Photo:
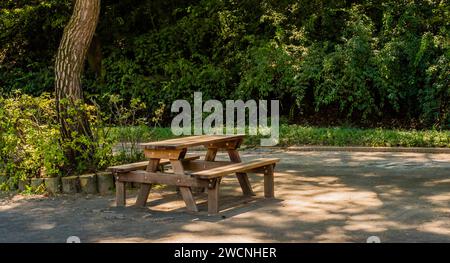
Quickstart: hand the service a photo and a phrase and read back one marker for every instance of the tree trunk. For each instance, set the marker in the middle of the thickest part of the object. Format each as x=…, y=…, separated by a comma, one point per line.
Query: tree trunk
x=69, y=66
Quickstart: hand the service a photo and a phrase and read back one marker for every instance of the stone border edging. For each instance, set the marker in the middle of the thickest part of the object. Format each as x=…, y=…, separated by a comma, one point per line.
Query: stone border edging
x=366, y=149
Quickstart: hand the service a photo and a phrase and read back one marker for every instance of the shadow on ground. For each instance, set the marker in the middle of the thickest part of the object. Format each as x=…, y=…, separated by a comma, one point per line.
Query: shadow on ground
x=321, y=197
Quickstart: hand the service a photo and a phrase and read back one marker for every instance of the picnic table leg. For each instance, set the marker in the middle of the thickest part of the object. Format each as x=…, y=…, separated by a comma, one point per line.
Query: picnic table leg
x=120, y=193
x=144, y=190
x=210, y=157
x=186, y=192
x=213, y=197
x=211, y=154
x=269, y=182
x=242, y=177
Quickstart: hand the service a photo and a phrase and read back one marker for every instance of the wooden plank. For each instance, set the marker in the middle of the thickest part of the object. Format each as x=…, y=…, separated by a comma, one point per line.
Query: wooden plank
x=144, y=190
x=244, y=182
x=213, y=198
x=120, y=193
x=161, y=178
x=234, y=156
x=224, y=145
x=142, y=197
x=209, y=157
x=186, y=192
x=124, y=168
x=164, y=154
x=269, y=184
x=185, y=142
x=177, y=166
x=188, y=198
x=235, y=168
x=211, y=154
x=199, y=165
x=128, y=167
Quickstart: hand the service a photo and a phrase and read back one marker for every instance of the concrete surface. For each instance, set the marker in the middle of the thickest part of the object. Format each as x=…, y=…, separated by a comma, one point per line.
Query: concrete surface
x=320, y=197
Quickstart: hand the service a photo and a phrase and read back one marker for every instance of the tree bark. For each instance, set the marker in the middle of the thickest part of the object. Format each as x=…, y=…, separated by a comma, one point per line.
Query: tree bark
x=69, y=67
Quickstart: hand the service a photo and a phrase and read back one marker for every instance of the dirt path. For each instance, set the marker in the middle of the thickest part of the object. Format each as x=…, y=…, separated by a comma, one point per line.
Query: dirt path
x=321, y=197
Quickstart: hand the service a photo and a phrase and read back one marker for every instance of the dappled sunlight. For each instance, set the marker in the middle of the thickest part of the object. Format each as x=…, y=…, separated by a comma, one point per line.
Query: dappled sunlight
x=41, y=226
x=441, y=210
x=437, y=182
x=372, y=226
x=440, y=199
x=122, y=240
x=313, y=203
x=439, y=226
x=333, y=234
x=315, y=213
x=389, y=191
x=348, y=196
x=209, y=238
x=372, y=223
x=7, y=207
x=401, y=160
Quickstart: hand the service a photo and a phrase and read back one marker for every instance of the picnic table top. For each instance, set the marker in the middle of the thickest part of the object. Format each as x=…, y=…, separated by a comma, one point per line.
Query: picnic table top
x=190, y=141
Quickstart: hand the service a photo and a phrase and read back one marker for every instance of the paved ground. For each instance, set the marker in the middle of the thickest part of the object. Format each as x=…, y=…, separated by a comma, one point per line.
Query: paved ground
x=321, y=197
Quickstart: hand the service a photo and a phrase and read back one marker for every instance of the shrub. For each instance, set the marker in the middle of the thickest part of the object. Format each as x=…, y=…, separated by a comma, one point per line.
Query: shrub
x=29, y=145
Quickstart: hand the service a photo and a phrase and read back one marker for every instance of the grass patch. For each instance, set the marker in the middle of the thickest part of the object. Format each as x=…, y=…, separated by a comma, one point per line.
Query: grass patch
x=302, y=135
x=337, y=136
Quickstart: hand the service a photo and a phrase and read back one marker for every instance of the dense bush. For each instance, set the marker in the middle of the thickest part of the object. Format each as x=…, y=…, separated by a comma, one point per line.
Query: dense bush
x=30, y=144
x=30, y=32
x=28, y=138
x=366, y=63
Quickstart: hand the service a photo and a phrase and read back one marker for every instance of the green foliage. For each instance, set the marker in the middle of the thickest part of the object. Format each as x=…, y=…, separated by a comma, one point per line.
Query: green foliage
x=342, y=136
x=30, y=140
x=132, y=130
x=365, y=63
x=269, y=72
x=29, y=35
x=29, y=145
x=292, y=135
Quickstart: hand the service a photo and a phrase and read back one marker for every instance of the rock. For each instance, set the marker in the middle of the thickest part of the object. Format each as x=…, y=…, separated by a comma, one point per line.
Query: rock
x=147, y=216
x=88, y=183
x=53, y=184
x=162, y=219
x=23, y=184
x=36, y=182
x=70, y=184
x=105, y=182
x=114, y=216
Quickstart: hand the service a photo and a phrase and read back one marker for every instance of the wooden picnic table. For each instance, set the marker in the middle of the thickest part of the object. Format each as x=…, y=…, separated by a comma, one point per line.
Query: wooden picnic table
x=209, y=170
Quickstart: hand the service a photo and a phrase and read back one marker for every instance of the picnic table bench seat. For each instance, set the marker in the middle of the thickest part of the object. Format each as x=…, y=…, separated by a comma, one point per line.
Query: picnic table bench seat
x=235, y=168
x=124, y=168
x=214, y=175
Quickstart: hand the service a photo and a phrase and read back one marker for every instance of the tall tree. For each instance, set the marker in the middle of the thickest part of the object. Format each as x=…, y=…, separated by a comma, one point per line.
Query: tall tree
x=69, y=67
